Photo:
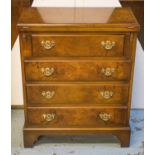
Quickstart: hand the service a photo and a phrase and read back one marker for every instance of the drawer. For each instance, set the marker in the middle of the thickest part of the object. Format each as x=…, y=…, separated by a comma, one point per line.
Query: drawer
x=78, y=45
x=77, y=117
x=77, y=94
x=77, y=70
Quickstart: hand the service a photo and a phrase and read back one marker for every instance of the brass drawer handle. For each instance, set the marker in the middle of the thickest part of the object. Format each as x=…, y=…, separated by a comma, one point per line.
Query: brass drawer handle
x=47, y=71
x=106, y=94
x=48, y=94
x=108, y=45
x=105, y=116
x=48, y=44
x=49, y=117
x=107, y=71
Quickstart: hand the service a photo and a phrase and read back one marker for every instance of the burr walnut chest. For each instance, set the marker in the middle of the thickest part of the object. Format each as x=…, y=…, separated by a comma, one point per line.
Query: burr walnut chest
x=77, y=70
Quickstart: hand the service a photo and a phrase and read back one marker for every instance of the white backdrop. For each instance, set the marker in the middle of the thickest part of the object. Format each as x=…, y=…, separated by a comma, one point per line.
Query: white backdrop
x=16, y=80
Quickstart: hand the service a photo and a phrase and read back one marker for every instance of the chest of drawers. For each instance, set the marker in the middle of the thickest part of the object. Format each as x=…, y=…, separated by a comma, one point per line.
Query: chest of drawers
x=77, y=70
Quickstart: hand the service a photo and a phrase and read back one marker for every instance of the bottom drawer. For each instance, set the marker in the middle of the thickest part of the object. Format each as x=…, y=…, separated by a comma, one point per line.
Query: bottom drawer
x=77, y=117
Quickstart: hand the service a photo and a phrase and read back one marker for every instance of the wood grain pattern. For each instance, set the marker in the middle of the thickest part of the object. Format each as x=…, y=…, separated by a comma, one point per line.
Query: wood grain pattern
x=77, y=117
x=137, y=7
x=78, y=19
x=77, y=70
x=78, y=45
x=31, y=135
x=77, y=94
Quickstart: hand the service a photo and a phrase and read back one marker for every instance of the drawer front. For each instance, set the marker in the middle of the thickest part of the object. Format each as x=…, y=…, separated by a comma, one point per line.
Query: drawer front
x=77, y=70
x=77, y=94
x=77, y=117
x=78, y=45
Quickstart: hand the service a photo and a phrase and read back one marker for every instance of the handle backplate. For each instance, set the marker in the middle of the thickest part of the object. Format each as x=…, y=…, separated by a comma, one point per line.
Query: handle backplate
x=48, y=117
x=47, y=71
x=48, y=44
x=48, y=94
x=108, y=45
x=108, y=71
x=106, y=94
x=105, y=116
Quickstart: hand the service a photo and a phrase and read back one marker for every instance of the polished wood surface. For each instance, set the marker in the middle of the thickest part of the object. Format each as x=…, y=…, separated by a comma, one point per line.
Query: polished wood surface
x=86, y=44
x=77, y=117
x=81, y=89
x=82, y=93
x=77, y=45
x=31, y=135
x=137, y=7
x=76, y=15
x=85, y=18
x=78, y=70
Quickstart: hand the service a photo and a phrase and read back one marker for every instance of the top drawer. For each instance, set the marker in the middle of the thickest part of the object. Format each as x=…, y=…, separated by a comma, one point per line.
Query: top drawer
x=78, y=45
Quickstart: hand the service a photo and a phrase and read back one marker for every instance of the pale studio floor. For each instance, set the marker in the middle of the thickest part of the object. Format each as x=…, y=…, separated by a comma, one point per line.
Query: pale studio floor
x=78, y=145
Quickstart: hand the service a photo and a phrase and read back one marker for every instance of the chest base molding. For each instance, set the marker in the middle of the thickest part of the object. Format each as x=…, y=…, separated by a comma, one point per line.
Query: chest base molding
x=31, y=135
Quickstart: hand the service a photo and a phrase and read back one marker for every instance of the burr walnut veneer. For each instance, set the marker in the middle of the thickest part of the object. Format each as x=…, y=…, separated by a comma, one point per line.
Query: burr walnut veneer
x=77, y=69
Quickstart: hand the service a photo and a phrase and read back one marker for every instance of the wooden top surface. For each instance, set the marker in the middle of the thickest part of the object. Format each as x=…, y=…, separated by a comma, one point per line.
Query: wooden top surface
x=92, y=17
